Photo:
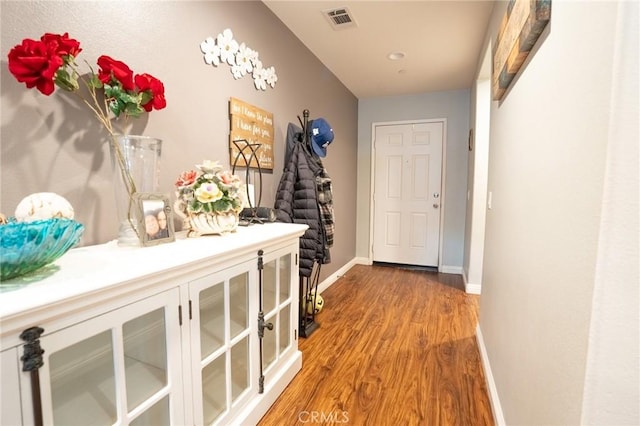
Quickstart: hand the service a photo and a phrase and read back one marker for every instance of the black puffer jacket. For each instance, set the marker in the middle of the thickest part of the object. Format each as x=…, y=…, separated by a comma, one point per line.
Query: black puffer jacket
x=296, y=199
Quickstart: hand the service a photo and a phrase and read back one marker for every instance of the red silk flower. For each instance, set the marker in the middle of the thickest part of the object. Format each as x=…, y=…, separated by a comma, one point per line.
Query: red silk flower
x=62, y=44
x=34, y=64
x=119, y=70
x=148, y=83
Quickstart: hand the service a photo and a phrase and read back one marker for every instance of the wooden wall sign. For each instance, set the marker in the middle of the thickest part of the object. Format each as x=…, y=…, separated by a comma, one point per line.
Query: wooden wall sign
x=519, y=30
x=254, y=125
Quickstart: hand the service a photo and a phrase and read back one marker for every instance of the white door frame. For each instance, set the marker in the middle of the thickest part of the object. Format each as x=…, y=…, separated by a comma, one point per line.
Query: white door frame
x=442, y=179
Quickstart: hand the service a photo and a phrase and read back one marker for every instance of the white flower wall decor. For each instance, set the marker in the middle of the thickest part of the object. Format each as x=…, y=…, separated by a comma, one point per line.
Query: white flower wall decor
x=241, y=58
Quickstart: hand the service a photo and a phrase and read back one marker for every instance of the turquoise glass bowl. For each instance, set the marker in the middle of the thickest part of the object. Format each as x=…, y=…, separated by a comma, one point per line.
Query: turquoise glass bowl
x=28, y=246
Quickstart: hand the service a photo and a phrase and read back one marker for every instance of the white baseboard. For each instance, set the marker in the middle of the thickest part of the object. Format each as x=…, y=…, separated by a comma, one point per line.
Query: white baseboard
x=327, y=282
x=470, y=288
x=363, y=261
x=498, y=416
x=450, y=269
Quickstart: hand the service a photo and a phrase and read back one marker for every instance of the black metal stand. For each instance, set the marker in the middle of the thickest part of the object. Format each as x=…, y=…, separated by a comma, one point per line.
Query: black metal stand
x=253, y=148
x=308, y=293
x=308, y=285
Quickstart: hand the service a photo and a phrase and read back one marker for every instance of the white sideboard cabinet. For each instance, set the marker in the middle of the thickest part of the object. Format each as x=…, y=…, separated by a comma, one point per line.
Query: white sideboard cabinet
x=200, y=331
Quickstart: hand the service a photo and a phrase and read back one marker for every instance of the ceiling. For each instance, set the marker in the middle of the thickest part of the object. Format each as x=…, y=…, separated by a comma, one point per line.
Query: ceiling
x=440, y=40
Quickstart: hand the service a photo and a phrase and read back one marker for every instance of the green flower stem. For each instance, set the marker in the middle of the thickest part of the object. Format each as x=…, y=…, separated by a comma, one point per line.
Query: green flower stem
x=101, y=113
x=127, y=179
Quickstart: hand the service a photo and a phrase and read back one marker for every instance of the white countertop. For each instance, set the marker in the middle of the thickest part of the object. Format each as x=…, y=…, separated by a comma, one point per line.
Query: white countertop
x=89, y=270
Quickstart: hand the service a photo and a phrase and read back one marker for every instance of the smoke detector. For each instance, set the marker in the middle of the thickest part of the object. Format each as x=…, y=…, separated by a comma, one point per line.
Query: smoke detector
x=340, y=18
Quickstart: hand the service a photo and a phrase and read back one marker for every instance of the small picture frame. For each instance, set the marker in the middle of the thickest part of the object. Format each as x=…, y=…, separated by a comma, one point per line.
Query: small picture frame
x=154, y=219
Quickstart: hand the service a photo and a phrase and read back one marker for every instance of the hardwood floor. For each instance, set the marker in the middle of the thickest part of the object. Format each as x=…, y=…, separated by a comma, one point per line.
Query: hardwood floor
x=394, y=347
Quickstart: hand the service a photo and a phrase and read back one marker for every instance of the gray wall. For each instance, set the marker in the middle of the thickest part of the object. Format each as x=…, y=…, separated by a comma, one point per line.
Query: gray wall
x=452, y=105
x=53, y=144
x=550, y=139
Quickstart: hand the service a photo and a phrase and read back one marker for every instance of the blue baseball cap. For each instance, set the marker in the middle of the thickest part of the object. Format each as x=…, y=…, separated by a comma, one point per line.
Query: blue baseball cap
x=321, y=136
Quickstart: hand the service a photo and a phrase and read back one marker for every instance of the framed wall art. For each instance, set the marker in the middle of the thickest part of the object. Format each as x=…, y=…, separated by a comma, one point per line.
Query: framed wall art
x=254, y=126
x=154, y=219
x=520, y=28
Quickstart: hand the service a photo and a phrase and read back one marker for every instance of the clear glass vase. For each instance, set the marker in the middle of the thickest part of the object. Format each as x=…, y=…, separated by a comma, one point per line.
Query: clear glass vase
x=135, y=162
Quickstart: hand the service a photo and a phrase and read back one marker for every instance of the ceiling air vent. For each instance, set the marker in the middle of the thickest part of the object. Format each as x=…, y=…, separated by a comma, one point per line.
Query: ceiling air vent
x=340, y=18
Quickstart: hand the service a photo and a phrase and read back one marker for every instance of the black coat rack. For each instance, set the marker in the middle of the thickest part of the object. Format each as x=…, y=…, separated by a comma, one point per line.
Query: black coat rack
x=308, y=285
x=305, y=123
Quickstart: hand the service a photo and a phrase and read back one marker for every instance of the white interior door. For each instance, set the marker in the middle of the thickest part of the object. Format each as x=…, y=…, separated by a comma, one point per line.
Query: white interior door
x=407, y=193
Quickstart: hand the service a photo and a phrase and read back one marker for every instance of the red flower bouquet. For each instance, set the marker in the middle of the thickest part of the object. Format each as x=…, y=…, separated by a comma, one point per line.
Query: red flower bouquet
x=114, y=91
x=50, y=62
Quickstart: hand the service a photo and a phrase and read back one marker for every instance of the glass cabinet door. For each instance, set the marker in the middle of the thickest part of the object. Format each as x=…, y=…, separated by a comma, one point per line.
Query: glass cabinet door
x=120, y=367
x=277, y=307
x=222, y=341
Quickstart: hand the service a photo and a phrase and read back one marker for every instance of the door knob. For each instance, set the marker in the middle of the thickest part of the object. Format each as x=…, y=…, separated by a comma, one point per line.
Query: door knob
x=435, y=206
